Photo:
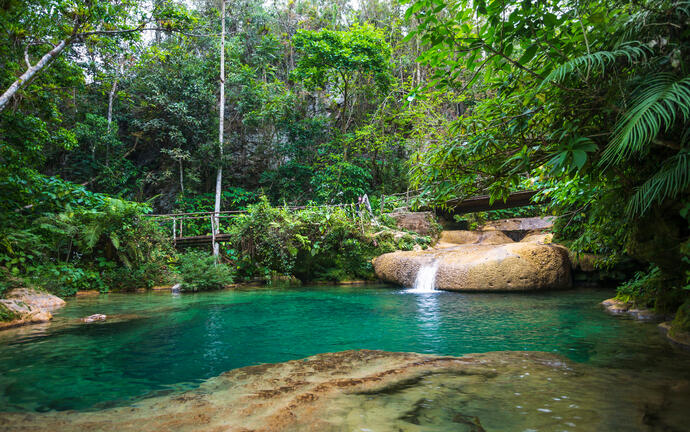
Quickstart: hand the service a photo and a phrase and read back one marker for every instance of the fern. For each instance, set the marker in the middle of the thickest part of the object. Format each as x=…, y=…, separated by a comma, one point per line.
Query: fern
x=655, y=108
x=672, y=179
x=632, y=51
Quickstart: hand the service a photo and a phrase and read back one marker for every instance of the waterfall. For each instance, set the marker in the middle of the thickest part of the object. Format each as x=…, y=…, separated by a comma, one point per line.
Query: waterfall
x=425, y=282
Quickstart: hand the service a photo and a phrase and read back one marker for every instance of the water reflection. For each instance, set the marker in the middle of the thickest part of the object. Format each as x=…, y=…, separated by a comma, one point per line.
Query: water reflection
x=429, y=319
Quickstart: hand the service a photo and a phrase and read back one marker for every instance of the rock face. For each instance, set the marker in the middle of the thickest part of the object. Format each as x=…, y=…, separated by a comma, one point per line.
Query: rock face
x=482, y=267
x=420, y=222
x=487, y=259
x=28, y=306
x=519, y=224
x=474, y=237
x=386, y=392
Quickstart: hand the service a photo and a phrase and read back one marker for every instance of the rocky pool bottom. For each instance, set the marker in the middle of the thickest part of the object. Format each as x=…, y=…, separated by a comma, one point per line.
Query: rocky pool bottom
x=160, y=361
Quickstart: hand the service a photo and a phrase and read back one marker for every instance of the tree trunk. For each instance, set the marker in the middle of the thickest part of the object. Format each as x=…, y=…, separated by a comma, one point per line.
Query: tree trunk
x=221, y=109
x=181, y=179
x=31, y=72
x=111, y=97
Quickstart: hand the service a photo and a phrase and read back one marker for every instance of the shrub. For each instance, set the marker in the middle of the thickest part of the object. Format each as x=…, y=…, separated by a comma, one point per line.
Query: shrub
x=65, y=280
x=313, y=244
x=199, y=272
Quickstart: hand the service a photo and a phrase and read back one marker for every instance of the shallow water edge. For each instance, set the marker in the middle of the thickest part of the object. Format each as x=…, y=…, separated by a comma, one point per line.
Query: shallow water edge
x=382, y=391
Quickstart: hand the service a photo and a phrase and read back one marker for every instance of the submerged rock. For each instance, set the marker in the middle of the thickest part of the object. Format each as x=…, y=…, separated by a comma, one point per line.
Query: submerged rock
x=481, y=267
x=27, y=306
x=382, y=391
x=678, y=338
x=94, y=318
x=618, y=307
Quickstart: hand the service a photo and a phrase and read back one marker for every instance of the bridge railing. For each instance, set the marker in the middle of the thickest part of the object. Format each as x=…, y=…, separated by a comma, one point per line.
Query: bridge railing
x=177, y=220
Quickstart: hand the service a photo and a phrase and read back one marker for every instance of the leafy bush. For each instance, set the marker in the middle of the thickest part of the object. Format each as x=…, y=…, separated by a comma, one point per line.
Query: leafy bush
x=65, y=280
x=199, y=272
x=87, y=241
x=313, y=244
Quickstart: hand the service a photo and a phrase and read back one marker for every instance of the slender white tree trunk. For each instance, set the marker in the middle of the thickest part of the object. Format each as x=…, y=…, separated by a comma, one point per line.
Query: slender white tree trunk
x=221, y=109
x=111, y=97
x=181, y=178
x=30, y=72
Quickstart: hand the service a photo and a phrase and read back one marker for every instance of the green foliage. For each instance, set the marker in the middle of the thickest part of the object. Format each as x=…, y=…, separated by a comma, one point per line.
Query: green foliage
x=337, y=57
x=200, y=272
x=314, y=244
x=341, y=182
x=65, y=279
x=587, y=101
x=643, y=287
x=6, y=314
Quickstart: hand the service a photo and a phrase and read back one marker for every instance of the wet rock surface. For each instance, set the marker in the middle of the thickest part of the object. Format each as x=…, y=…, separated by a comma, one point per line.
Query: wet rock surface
x=382, y=391
x=677, y=338
x=28, y=306
x=615, y=306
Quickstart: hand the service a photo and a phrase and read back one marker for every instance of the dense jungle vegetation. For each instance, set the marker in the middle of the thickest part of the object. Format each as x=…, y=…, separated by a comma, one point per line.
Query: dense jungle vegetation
x=110, y=110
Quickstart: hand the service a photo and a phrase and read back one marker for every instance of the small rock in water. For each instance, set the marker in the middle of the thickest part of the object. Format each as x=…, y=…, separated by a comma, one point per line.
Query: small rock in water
x=176, y=288
x=93, y=318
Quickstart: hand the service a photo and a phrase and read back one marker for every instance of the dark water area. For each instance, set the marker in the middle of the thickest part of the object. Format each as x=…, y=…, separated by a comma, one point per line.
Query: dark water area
x=157, y=343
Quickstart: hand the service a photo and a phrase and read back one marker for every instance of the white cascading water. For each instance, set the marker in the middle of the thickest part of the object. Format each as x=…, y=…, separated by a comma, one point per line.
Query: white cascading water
x=425, y=282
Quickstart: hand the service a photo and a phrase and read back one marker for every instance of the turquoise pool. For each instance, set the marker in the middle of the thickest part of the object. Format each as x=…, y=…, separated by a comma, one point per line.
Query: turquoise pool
x=157, y=343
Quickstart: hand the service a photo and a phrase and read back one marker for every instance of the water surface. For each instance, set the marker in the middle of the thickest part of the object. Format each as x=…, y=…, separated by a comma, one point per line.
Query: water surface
x=156, y=343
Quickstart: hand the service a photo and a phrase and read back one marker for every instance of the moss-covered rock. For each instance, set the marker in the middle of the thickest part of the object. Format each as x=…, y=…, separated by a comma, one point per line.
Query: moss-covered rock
x=681, y=322
x=7, y=314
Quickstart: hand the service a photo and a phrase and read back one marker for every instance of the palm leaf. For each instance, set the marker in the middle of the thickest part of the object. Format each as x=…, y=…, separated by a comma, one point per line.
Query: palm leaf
x=672, y=179
x=654, y=109
x=632, y=51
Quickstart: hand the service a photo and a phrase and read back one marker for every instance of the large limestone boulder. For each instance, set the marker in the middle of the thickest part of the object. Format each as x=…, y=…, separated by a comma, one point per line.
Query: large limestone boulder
x=457, y=237
x=420, y=222
x=37, y=299
x=519, y=224
x=480, y=267
x=27, y=306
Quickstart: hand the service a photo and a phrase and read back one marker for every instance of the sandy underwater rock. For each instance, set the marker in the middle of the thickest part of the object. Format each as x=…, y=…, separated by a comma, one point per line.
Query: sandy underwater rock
x=386, y=392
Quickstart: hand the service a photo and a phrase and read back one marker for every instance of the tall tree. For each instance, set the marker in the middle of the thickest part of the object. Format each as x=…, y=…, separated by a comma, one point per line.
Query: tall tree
x=221, y=116
x=44, y=29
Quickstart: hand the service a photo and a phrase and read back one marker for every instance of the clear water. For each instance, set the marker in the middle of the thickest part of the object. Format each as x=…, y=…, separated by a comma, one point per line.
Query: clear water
x=156, y=343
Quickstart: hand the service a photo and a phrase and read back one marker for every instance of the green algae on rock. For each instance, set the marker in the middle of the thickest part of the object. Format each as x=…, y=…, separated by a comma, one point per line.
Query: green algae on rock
x=382, y=391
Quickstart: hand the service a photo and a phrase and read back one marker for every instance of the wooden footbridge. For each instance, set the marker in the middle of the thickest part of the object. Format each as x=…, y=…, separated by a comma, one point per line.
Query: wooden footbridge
x=399, y=202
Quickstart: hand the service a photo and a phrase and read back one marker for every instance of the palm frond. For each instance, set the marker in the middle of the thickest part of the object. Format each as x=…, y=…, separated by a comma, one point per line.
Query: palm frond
x=632, y=51
x=672, y=179
x=654, y=108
